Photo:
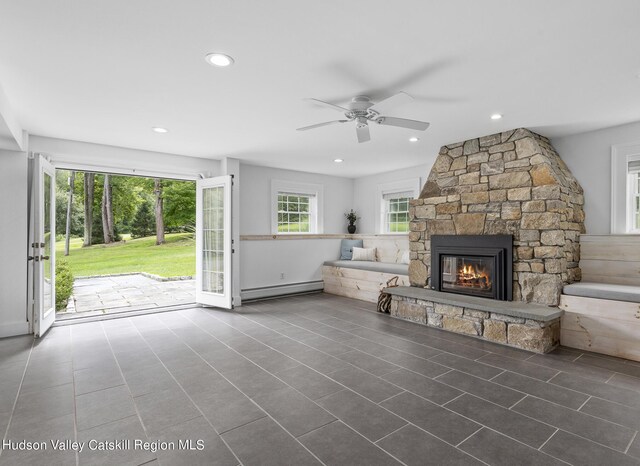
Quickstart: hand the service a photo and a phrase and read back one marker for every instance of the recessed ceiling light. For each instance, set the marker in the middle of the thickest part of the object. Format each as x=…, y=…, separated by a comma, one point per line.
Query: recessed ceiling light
x=158, y=129
x=496, y=116
x=219, y=59
x=414, y=139
x=338, y=160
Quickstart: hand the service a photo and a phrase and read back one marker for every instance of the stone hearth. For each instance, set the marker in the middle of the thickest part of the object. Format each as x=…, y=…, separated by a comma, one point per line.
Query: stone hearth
x=506, y=183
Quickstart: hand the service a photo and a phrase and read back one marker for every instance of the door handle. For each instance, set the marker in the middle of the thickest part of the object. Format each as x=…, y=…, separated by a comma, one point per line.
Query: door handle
x=44, y=258
x=30, y=258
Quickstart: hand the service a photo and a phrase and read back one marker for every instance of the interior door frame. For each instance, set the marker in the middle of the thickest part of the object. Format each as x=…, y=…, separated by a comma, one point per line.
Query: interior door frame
x=224, y=300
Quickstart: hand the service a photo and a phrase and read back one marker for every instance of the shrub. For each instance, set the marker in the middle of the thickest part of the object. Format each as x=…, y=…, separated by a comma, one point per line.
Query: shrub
x=64, y=284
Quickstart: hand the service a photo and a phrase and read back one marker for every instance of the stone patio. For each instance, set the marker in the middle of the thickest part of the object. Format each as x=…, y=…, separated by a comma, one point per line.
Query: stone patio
x=126, y=292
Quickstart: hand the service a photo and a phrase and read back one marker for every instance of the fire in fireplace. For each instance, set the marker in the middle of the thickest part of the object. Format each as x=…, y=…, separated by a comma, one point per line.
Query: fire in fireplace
x=472, y=265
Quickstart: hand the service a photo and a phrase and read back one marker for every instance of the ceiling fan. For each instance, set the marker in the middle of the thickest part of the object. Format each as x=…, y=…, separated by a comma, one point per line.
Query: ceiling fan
x=362, y=111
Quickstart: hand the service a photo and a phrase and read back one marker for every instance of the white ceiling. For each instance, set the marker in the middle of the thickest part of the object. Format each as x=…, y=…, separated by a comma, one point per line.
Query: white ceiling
x=107, y=71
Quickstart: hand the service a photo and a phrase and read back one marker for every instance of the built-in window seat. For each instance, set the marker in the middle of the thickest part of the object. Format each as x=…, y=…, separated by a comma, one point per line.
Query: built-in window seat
x=364, y=279
x=602, y=313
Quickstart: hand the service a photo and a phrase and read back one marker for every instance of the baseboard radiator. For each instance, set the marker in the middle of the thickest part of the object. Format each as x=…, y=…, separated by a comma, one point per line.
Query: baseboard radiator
x=251, y=294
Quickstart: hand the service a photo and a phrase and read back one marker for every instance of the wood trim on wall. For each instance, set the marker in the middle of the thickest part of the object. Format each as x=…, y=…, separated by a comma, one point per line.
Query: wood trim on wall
x=320, y=236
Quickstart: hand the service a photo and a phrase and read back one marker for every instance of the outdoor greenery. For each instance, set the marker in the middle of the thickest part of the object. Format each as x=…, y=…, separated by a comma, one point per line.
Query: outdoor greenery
x=64, y=283
x=175, y=258
x=144, y=223
x=128, y=195
x=293, y=213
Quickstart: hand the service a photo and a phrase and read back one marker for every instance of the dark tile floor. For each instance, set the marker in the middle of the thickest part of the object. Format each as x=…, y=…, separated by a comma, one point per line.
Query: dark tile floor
x=316, y=379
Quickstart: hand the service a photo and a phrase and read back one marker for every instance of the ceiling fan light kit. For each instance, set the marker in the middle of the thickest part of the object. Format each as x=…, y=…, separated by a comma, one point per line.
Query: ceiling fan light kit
x=362, y=111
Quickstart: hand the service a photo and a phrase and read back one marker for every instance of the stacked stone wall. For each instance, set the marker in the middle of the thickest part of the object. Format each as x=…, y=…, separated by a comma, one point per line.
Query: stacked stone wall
x=506, y=183
x=527, y=334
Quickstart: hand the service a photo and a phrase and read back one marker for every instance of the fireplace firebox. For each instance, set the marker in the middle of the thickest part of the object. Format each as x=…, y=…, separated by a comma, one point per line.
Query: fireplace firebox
x=476, y=265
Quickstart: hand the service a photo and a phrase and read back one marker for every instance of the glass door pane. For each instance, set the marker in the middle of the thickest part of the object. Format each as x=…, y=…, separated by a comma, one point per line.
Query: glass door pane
x=213, y=242
x=213, y=251
x=47, y=263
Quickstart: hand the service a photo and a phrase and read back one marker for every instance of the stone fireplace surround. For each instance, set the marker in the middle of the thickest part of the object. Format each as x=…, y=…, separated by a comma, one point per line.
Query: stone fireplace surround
x=514, y=183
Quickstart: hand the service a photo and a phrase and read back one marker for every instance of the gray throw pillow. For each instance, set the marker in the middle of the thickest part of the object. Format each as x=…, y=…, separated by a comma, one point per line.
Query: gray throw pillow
x=346, y=248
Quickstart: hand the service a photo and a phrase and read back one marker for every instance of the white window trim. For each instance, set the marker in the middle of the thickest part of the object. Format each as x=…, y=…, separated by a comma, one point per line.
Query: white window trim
x=316, y=225
x=412, y=185
x=621, y=155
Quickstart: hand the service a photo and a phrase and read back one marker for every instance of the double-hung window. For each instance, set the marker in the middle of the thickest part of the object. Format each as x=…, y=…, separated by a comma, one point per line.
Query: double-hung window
x=396, y=212
x=625, y=189
x=633, y=196
x=295, y=212
x=393, y=205
x=296, y=208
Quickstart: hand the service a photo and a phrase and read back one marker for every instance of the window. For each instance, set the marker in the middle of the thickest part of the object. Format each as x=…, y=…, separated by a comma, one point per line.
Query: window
x=294, y=213
x=296, y=208
x=393, y=205
x=633, y=200
x=396, y=212
x=625, y=189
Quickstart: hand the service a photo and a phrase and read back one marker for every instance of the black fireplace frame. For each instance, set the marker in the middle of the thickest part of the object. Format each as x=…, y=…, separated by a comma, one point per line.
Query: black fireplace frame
x=497, y=247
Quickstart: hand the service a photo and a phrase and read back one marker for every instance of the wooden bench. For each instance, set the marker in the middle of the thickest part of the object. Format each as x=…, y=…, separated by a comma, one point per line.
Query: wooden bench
x=364, y=280
x=602, y=313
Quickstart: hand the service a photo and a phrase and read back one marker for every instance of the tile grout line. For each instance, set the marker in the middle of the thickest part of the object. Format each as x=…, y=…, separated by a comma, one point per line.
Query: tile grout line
x=631, y=442
x=15, y=401
x=468, y=437
x=545, y=442
x=75, y=410
x=454, y=399
x=388, y=398
x=525, y=396
x=498, y=375
x=389, y=435
x=440, y=375
x=611, y=377
x=585, y=402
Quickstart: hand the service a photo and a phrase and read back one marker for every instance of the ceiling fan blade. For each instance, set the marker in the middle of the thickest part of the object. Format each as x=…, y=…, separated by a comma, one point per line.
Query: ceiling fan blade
x=318, y=125
x=363, y=133
x=403, y=123
x=327, y=104
x=396, y=100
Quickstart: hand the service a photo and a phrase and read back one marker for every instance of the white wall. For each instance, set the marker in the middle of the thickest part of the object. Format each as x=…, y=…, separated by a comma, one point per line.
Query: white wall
x=262, y=262
x=366, y=192
x=588, y=155
x=255, y=198
x=13, y=243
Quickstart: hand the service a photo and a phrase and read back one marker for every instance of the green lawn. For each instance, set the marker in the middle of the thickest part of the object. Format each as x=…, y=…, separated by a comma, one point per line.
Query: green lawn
x=175, y=258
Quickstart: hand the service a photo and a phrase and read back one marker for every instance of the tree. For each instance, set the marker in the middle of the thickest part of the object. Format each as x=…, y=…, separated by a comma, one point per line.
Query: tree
x=89, y=180
x=144, y=221
x=157, y=191
x=72, y=179
x=179, y=204
x=107, y=212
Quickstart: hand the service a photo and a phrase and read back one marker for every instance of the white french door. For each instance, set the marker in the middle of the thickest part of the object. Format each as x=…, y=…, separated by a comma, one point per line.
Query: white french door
x=43, y=247
x=213, y=242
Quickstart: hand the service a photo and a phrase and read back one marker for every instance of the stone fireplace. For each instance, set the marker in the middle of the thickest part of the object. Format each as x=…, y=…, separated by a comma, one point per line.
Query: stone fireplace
x=511, y=183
